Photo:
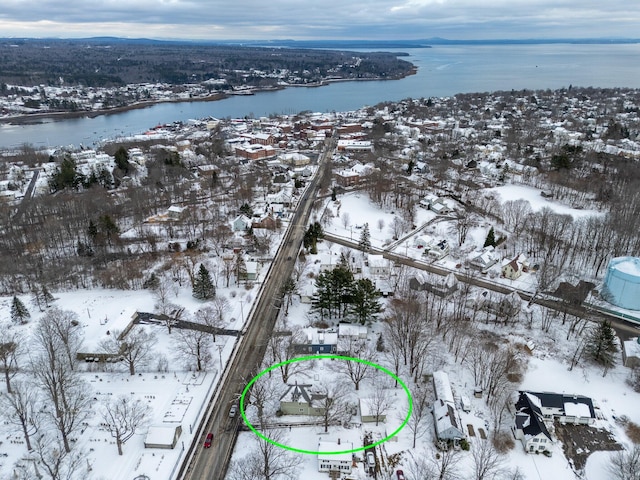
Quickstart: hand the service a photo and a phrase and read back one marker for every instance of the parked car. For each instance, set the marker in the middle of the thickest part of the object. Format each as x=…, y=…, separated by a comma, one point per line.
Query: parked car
x=371, y=460
x=233, y=410
x=208, y=440
x=400, y=474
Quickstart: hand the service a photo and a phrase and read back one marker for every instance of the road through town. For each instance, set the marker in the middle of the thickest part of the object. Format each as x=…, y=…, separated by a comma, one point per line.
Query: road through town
x=243, y=365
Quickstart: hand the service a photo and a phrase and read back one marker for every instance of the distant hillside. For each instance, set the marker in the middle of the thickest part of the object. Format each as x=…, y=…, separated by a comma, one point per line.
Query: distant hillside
x=106, y=62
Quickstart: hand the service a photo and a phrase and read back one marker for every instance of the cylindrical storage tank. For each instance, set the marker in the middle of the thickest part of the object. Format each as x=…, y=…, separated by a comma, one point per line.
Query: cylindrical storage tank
x=622, y=282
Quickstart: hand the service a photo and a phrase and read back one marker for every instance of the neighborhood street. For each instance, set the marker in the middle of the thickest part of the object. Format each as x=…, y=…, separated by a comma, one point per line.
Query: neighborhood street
x=212, y=463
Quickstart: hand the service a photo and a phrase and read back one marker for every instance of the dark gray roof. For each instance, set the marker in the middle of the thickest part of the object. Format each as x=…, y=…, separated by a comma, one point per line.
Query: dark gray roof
x=529, y=417
x=557, y=400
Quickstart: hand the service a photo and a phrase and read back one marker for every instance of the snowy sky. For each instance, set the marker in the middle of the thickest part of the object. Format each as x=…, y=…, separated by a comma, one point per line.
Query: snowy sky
x=330, y=19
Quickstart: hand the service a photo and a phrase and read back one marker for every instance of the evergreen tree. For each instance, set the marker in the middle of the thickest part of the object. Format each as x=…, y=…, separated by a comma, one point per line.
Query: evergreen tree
x=601, y=345
x=365, y=239
x=19, y=313
x=122, y=160
x=203, y=288
x=246, y=209
x=364, y=301
x=491, y=239
x=311, y=237
x=47, y=298
x=334, y=292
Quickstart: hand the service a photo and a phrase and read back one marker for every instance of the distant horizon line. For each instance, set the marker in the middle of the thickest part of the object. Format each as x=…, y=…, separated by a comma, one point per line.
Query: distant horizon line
x=407, y=43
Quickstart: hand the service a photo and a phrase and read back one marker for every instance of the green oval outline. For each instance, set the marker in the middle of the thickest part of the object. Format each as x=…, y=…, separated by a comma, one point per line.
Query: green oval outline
x=313, y=357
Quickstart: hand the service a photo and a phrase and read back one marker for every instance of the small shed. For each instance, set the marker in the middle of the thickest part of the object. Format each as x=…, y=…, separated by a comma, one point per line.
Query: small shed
x=631, y=352
x=163, y=436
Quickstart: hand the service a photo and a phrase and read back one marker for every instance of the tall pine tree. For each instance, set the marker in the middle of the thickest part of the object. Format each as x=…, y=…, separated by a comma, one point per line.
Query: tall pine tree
x=601, y=345
x=364, y=303
x=19, y=313
x=491, y=239
x=203, y=288
x=365, y=239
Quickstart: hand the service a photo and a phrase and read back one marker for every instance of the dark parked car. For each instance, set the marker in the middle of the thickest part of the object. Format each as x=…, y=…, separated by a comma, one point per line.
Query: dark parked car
x=400, y=474
x=208, y=440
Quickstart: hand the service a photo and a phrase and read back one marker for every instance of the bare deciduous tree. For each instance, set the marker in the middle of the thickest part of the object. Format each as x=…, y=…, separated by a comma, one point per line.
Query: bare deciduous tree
x=11, y=345
x=134, y=349
x=267, y=461
x=354, y=370
x=332, y=402
x=418, y=423
x=63, y=324
x=625, y=465
x=487, y=462
x=55, y=461
x=380, y=400
x=193, y=347
x=123, y=417
x=67, y=394
x=282, y=348
x=21, y=408
x=346, y=219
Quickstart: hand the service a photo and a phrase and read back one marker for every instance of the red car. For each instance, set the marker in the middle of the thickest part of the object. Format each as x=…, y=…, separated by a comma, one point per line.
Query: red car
x=400, y=474
x=208, y=440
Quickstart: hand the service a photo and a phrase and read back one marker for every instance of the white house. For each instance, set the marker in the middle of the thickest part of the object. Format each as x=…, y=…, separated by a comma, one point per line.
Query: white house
x=574, y=409
x=436, y=284
x=530, y=428
x=378, y=265
x=441, y=207
x=328, y=462
x=446, y=418
x=424, y=241
x=485, y=260
x=348, y=330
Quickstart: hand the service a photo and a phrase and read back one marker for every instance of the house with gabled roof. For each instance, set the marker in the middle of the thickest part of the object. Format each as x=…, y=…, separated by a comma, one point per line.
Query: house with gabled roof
x=484, y=260
x=436, y=284
x=446, y=418
x=301, y=400
x=241, y=223
x=530, y=428
x=512, y=269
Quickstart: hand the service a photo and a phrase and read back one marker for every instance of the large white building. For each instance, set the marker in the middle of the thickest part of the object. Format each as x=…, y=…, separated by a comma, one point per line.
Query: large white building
x=330, y=462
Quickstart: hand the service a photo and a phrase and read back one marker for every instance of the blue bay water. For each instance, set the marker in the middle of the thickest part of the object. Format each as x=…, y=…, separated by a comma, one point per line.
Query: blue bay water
x=442, y=71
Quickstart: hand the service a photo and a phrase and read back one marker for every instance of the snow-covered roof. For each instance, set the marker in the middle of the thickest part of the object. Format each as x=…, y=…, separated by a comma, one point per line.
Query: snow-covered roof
x=320, y=337
x=160, y=435
x=442, y=386
x=350, y=330
x=334, y=447
x=575, y=409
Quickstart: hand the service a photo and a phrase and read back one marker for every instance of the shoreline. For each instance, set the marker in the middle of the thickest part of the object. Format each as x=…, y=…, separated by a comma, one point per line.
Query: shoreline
x=38, y=117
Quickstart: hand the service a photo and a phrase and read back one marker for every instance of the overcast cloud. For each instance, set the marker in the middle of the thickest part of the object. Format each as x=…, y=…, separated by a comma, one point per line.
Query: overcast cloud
x=328, y=19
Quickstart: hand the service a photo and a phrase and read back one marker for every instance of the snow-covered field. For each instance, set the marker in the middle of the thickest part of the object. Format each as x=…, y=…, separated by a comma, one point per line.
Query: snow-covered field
x=176, y=395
